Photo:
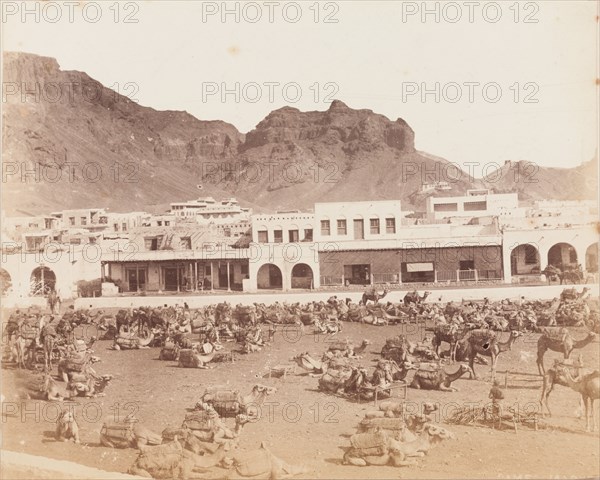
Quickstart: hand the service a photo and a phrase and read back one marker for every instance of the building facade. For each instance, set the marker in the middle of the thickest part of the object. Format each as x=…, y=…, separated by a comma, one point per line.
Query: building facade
x=339, y=244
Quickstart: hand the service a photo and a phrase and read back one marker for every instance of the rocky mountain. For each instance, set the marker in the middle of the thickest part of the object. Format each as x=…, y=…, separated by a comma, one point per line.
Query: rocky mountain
x=534, y=182
x=70, y=142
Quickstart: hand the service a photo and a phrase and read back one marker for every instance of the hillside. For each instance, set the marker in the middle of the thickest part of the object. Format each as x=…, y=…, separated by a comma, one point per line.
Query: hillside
x=115, y=153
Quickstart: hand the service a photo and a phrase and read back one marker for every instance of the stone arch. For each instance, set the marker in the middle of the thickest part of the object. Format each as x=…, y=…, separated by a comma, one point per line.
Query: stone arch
x=591, y=258
x=42, y=281
x=562, y=255
x=269, y=277
x=5, y=282
x=524, y=260
x=302, y=276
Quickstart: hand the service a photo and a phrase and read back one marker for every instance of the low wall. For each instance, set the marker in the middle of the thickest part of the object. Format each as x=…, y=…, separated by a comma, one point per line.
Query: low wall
x=22, y=466
x=543, y=292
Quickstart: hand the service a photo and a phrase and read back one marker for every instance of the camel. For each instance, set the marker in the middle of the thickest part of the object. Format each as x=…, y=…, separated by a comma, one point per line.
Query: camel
x=307, y=362
x=552, y=378
x=379, y=449
x=261, y=463
x=572, y=295
x=559, y=340
x=67, y=428
x=414, y=297
x=437, y=379
x=589, y=388
x=484, y=342
x=229, y=402
x=50, y=389
x=191, y=358
x=208, y=427
x=450, y=333
x=373, y=295
x=346, y=348
x=171, y=461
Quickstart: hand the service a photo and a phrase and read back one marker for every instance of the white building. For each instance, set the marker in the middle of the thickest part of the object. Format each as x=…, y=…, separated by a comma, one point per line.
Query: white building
x=476, y=203
x=203, y=209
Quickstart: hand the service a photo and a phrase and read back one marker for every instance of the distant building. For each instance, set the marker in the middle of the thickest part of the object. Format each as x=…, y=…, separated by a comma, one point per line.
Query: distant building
x=476, y=203
x=220, y=246
x=209, y=209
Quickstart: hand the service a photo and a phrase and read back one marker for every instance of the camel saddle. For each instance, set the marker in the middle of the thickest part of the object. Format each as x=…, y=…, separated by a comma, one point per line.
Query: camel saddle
x=383, y=422
x=76, y=363
x=127, y=342
x=226, y=400
x=198, y=421
x=28, y=332
x=121, y=435
x=48, y=331
x=370, y=444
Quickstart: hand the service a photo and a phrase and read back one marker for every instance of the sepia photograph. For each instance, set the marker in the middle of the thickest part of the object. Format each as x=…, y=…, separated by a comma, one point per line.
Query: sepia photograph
x=302, y=239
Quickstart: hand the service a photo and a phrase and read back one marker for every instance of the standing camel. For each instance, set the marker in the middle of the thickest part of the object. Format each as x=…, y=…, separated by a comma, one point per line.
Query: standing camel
x=414, y=297
x=589, y=388
x=559, y=340
x=374, y=295
x=484, y=342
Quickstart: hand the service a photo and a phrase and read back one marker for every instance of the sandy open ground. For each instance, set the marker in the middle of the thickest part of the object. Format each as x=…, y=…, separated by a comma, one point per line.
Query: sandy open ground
x=303, y=425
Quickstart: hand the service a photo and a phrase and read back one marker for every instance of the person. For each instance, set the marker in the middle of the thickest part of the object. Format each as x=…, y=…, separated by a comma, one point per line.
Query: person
x=496, y=394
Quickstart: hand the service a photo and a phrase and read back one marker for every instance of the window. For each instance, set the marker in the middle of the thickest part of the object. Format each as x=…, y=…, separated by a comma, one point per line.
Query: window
x=445, y=207
x=75, y=241
x=72, y=220
x=167, y=223
x=466, y=265
x=227, y=232
x=103, y=220
x=186, y=243
x=32, y=225
x=92, y=240
x=159, y=223
x=278, y=236
x=263, y=236
x=325, y=228
x=341, y=227
x=116, y=227
x=294, y=236
x=530, y=255
x=374, y=222
x=244, y=269
x=124, y=226
x=84, y=220
x=475, y=206
x=390, y=225
x=308, y=234
x=151, y=243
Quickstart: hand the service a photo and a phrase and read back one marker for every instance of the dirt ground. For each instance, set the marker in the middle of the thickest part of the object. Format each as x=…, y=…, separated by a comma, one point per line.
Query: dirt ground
x=304, y=426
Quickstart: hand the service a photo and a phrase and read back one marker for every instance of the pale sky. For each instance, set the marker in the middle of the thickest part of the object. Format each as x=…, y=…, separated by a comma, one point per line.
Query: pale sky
x=379, y=56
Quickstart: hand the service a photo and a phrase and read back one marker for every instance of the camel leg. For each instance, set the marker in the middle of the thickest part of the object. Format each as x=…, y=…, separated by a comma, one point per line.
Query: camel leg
x=445, y=388
x=587, y=401
x=472, y=368
x=545, y=394
x=540, y=361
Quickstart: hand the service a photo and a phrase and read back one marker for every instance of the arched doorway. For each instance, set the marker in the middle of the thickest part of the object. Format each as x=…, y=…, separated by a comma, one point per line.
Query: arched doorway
x=562, y=255
x=591, y=258
x=43, y=281
x=524, y=260
x=5, y=281
x=269, y=277
x=302, y=276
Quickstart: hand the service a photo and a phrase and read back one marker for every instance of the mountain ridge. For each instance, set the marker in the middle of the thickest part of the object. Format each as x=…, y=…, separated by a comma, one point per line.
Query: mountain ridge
x=149, y=158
